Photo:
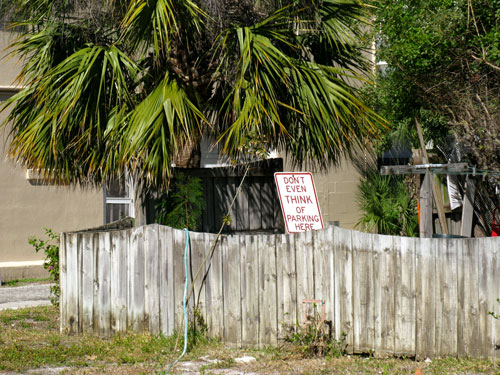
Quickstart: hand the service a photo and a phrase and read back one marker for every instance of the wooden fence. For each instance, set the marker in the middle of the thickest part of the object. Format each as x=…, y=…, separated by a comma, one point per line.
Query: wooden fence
x=394, y=295
x=257, y=206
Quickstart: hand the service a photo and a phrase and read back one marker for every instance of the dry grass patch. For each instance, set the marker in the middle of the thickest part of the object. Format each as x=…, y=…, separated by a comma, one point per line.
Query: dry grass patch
x=30, y=339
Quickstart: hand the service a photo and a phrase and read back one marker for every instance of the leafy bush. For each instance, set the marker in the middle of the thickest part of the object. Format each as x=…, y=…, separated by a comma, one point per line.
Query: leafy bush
x=50, y=247
x=314, y=337
x=387, y=206
x=183, y=205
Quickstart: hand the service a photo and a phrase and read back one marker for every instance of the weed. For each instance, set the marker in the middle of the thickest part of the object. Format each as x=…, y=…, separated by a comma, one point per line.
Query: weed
x=50, y=247
x=21, y=282
x=314, y=337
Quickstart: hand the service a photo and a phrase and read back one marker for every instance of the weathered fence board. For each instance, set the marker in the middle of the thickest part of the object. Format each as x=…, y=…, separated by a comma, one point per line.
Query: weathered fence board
x=384, y=294
x=232, y=293
x=119, y=267
x=393, y=295
x=268, y=312
x=152, y=279
x=344, y=289
x=405, y=308
x=86, y=270
x=363, y=293
x=102, y=300
x=447, y=300
x=305, y=268
x=286, y=284
x=425, y=302
x=63, y=271
x=72, y=284
x=249, y=277
x=469, y=337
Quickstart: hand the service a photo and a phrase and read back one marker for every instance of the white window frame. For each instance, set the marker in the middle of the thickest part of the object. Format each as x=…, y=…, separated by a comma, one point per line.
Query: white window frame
x=129, y=200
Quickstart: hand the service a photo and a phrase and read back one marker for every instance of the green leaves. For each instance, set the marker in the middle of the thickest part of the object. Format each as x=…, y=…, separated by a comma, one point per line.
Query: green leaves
x=124, y=87
x=166, y=119
x=60, y=121
x=153, y=23
x=386, y=206
x=183, y=206
x=305, y=108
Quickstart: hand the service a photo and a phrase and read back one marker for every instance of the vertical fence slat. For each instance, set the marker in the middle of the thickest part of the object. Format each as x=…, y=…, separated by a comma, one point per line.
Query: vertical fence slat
x=305, y=267
x=136, y=280
x=267, y=198
x=343, y=287
x=363, y=292
x=384, y=293
x=287, y=284
x=405, y=309
x=87, y=281
x=469, y=335
x=494, y=293
x=249, y=291
x=119, y=271
x=487, y=296
x=446, y=298
x=322, y=270
x=63, y=301
x=103, y=265
x=166, y=280
x=426, y=305
x=254, y=203
x=198, y=251
x=179, y=245
x=208, y=283
x=232, y=294
x=72, y=283
x=80, y=269
x=152, y=287
x=214, y=291
x=268, y=328
x=242, y=217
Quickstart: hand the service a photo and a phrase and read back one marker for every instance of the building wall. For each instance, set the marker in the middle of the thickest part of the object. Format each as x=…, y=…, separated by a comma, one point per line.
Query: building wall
x=25, y=209
x=337, y=189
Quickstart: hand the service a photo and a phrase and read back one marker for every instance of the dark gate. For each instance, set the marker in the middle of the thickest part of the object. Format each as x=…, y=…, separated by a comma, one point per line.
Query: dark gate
x=257, y=207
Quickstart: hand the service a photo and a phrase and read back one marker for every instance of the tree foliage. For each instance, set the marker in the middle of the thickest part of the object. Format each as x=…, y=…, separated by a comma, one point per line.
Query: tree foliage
x=443, y=67
x=115, y=85
x=183, y=206
x=386, y=205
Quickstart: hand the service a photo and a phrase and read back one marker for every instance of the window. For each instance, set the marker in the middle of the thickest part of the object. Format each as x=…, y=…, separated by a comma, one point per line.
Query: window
x=118, y=200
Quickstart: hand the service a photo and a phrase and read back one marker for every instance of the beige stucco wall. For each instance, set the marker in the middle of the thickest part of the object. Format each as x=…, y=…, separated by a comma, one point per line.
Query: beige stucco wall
x=9, y=67
x=337, y=189
x=25, y=209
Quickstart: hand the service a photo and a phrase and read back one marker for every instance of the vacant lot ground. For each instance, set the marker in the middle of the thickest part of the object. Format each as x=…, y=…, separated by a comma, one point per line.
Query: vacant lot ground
x=30, y=343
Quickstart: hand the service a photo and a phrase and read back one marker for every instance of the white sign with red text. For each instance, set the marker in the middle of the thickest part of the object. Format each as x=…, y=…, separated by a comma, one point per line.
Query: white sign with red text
x=299, y=201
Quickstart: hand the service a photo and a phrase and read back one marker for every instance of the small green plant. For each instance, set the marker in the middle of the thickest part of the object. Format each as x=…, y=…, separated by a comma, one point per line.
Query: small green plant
x=495, y=316
x=386, y=206
x=183, y=205
x=314, y=338
x=50, y=247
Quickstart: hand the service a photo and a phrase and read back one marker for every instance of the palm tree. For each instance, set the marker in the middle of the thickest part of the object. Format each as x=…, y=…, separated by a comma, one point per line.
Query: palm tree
x=122, y=85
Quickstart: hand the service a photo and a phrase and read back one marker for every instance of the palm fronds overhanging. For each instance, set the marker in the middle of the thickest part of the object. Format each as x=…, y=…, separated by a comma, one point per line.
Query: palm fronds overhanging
x=123, y=85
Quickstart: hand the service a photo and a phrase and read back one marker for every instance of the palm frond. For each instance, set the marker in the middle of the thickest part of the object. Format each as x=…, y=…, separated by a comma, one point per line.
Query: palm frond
x=60, y=121
x=294, y=104
x=159, y=125
x=153, y=23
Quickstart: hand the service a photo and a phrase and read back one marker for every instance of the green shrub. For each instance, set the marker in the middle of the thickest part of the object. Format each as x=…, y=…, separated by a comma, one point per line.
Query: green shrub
x=50, y=247
x=386, y=205
x=314, y=337
x=182, y=207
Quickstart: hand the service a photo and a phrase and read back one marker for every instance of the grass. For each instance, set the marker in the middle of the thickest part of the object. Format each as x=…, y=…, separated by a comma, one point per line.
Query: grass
x=30, y=339
x=21, y=282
